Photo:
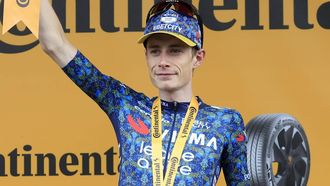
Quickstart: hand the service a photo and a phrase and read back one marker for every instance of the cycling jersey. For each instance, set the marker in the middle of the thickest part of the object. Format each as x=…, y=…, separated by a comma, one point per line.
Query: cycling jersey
x=217, y=139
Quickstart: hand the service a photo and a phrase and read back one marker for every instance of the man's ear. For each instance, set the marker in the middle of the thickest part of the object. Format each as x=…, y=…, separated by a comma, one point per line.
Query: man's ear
x=199, y=58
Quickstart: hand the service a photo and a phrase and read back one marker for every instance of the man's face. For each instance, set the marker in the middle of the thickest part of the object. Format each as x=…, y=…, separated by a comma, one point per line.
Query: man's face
x=170, y=62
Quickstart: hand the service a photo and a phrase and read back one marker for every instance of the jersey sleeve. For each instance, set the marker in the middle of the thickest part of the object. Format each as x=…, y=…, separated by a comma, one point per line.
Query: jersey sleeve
x=234, y=157
x=106, y=91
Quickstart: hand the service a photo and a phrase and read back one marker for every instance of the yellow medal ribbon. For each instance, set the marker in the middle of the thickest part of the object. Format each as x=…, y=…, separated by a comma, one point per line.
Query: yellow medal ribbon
x=27, y=11
x=156, y=140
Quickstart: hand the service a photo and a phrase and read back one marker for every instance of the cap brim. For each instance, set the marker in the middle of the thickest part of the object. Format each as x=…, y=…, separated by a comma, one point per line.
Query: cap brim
x=182, y=38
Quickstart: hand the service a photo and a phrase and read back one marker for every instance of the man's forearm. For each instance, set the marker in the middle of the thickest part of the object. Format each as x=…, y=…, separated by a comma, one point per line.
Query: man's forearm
x=52, y=37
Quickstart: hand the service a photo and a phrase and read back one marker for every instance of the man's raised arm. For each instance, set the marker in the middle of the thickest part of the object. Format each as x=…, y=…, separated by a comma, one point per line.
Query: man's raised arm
x=52, y=37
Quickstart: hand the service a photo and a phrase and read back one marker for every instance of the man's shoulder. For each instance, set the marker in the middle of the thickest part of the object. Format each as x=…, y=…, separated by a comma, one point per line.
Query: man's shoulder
x=224, y=115
x=221, y=110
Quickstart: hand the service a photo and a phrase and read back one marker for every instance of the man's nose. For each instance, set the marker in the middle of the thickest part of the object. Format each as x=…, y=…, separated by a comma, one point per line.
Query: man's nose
x=163, y=61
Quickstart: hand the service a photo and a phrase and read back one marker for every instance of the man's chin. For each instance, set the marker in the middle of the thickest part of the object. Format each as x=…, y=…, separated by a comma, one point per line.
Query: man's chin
x=165, y=87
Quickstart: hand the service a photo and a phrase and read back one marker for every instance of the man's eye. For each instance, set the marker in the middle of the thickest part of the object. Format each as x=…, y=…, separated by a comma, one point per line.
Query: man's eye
x=154, y=51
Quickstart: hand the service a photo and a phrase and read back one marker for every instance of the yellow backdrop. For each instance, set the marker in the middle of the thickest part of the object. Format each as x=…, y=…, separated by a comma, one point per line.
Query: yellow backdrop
x=254, y=71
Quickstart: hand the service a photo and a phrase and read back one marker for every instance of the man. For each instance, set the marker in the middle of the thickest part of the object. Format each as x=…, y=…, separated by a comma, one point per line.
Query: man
x=173, y=139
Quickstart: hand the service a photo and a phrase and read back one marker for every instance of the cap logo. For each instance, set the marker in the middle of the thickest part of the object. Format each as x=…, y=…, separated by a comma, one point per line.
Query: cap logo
x=169, y=17
x=168, y=20
x=167, y=27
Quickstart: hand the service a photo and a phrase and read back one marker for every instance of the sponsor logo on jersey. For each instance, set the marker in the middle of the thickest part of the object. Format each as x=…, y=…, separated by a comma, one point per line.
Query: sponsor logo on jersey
x=240, y=138
x=139, y=127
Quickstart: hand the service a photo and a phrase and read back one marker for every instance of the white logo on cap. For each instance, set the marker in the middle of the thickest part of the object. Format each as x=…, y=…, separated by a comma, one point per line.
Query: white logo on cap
x=167, y=27
x=169, y=17
x=168, y=20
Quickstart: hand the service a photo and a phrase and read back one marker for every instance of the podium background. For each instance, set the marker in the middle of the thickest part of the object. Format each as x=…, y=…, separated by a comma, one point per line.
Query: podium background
x=255, y=71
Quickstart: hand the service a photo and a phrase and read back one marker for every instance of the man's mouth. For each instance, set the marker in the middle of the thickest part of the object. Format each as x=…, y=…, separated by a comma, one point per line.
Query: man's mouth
x=165, y=75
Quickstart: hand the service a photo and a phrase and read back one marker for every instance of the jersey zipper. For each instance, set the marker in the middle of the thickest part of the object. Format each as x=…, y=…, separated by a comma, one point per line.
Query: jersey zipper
x=169, y=141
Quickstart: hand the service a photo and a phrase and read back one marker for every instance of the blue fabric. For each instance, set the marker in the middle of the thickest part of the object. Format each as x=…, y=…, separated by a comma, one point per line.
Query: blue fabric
x=217, y=139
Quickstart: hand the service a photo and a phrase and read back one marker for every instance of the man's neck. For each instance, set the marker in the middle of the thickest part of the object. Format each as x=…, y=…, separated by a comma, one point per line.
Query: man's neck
x=182, y=95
